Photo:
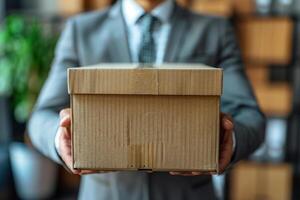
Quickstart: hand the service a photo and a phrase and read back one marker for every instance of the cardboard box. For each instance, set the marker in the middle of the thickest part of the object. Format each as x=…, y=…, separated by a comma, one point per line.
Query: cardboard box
x=266, y=40
x=275, y=99
x=160, y=119
x=251, y=181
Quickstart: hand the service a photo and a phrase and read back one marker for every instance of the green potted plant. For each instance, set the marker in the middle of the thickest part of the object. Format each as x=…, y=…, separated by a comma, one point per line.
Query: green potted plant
x=26, y=53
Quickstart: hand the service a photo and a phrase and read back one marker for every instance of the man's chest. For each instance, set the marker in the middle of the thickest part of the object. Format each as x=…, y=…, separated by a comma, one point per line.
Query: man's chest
x=183, y=46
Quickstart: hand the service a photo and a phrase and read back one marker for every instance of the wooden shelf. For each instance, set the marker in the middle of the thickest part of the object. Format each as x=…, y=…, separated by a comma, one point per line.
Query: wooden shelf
x=261, y=181
x=266, y=40
x=275, y=99
x=214, y=7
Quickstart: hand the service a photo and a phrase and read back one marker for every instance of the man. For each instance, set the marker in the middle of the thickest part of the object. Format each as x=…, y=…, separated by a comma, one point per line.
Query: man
x=147, y=31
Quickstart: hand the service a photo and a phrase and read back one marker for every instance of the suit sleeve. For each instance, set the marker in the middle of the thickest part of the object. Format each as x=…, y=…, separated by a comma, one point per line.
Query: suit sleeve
x=44, y=120
x=238, y=99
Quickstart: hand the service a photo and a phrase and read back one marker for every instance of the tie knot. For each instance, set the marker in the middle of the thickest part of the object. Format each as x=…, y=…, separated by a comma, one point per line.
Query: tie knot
x=148, y=22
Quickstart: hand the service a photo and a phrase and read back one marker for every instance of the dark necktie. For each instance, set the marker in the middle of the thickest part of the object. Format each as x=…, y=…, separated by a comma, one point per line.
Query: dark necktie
x=147, y=52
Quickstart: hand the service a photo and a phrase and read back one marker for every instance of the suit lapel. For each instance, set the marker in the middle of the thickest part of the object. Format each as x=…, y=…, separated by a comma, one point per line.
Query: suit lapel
x=119, y=48
x=179, y=26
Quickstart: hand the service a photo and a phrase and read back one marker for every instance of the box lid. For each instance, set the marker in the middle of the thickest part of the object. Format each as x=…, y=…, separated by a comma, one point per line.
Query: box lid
x=168, y=79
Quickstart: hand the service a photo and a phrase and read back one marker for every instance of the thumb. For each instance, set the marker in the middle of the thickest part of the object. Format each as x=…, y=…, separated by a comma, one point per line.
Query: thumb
x=65, y=122
x=65, y=117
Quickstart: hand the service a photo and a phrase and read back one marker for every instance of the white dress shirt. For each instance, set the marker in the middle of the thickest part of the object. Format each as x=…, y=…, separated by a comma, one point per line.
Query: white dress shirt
x=132, y=12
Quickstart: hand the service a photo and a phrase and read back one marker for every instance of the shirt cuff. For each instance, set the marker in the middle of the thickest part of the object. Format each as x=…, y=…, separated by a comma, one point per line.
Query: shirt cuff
x=56, y=141
x=233, y=142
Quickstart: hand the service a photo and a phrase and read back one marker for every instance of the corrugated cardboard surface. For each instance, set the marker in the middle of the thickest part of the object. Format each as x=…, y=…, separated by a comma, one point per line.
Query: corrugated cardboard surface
x=164, y=81
x=117, y=125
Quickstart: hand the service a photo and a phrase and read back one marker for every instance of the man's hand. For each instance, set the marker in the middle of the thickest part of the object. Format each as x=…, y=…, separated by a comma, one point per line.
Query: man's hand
x=226, y=147
x=226, y=142
x=65, y=143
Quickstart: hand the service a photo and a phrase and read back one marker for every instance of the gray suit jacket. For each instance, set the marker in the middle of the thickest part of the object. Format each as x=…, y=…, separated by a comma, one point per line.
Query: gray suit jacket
x=100, y=37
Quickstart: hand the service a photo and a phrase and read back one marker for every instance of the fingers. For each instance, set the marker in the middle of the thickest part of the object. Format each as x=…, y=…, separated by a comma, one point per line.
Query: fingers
x=226, y=142
x=86, y=172
x=65, y=117
x=190, y=173
x=65, y=122
x=64, y=112
x=226, y=151
x=65, y=149
x=181, y=173
x=227, y=122
x=65, y=146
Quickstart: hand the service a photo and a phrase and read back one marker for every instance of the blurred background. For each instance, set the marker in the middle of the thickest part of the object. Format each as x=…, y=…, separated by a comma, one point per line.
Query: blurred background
x=268, y=32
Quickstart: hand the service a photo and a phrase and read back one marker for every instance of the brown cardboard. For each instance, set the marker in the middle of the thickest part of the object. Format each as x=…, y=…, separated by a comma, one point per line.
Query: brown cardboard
x=160, y=119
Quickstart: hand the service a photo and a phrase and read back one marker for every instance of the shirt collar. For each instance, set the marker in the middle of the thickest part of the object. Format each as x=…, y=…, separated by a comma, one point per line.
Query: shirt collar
x=132, y=11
